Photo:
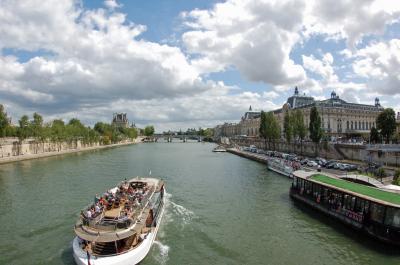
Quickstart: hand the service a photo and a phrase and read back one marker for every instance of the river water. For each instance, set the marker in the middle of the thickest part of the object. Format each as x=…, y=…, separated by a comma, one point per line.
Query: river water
x=222, y=209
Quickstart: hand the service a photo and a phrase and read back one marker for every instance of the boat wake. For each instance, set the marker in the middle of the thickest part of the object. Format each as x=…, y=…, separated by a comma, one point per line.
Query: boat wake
x=177, y=210
x=162, y=255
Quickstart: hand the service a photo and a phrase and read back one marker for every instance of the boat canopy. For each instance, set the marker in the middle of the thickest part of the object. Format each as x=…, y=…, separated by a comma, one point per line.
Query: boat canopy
x=366, y=192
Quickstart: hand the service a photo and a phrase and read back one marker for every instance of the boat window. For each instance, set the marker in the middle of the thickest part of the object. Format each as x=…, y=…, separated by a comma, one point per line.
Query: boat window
x=392, y=217
x=377, y=212
x=359, y=206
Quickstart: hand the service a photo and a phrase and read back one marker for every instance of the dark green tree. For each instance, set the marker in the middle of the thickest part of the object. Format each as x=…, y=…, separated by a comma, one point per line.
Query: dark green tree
x=4, y=122
x=299, y=128
x=273, y=131
x=149, y=130
x=386, y=123
x=315, y=128
x=374, y=135
x=288, y=127
x=263, y=128
x=37, y=125
x=24, y=128
x=58, y=132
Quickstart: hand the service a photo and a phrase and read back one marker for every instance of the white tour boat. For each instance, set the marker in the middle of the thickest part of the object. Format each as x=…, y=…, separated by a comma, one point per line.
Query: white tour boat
x=120, y=227
x=280, y=167
x=219, y=149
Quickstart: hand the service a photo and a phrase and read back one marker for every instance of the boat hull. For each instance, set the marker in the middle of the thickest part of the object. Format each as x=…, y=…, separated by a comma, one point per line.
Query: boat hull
x=369, y=231
x=280, y=172
x=133, y=256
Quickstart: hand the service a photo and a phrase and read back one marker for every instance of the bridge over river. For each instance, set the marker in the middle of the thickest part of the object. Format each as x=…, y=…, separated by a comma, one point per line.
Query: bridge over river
x=174, y=138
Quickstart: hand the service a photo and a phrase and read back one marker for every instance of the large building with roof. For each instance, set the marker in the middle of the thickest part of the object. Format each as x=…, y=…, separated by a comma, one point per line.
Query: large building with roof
x=120, y=120
x=339, y=117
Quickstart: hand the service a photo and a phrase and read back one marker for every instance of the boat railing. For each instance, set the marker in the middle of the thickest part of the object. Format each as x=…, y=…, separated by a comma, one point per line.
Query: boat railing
x=101, y=223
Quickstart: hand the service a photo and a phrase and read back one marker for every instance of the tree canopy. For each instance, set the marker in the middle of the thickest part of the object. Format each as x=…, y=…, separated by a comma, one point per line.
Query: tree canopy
x=299, y=129
x=4, y=122
x=269, y=127
x=374, y=135
x=288, y=126
x=149, y=130
x=315, y=128
x=386, y=123
x=58, y=131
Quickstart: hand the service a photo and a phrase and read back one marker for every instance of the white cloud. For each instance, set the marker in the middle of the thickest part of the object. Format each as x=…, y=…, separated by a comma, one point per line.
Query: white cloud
x=380, y=64
x=321, y=67
x=350, y=19
x=95, y=56
x=89, y=63
x=112, y=4
x=254, y=36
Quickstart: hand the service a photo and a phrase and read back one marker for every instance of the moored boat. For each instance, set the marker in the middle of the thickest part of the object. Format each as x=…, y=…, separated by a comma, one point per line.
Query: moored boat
x=120, y=226
x=280, y=166
x=219, y=149
x=369, y=209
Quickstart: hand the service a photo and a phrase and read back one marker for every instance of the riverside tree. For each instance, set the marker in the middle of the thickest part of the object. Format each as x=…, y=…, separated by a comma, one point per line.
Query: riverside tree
x=4, y=122
x=149, y=130
x=316, y=132
x=273, y=131
x=299, y=129
x=374, y=135
x=288, y=127
x=263, y=128
x=386, y=123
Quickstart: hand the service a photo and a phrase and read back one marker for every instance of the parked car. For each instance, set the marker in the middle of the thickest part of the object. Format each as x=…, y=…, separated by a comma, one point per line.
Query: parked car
x=253, y=149
x=352, y=167
x=330, y=164
x=322, y=162
x=312, y=163
x=304, y=161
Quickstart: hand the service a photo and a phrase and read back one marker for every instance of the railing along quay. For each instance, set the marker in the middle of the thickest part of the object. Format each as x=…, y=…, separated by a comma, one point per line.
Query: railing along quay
x=253, y=156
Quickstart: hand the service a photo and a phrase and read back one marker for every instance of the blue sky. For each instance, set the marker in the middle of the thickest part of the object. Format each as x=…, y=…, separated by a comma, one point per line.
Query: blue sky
x=180, y=64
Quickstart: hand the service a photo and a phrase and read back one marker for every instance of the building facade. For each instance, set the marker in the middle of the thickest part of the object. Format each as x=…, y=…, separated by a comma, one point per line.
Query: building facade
x=120, y=120
x=339, y=118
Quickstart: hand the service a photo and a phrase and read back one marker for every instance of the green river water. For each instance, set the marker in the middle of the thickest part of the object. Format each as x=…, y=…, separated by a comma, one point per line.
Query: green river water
x=221, y=209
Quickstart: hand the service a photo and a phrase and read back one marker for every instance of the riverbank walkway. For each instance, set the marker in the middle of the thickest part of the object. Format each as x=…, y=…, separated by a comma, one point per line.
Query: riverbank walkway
x=12, y=159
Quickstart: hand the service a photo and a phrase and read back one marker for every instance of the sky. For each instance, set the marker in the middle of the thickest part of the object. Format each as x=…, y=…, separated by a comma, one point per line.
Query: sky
x=183, y=64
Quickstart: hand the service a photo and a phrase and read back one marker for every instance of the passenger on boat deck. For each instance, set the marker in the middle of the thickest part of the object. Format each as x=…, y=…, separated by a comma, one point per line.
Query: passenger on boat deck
x=97, y=208
x=88, y=214
x=96, y=198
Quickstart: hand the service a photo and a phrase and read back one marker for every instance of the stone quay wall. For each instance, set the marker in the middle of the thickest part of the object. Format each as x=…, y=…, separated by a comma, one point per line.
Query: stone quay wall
x=11, y=149
x=334, y=151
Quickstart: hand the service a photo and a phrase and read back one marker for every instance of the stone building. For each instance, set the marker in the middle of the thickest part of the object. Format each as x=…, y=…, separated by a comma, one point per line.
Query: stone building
x=120, y=120
x=249, y=124
x=339, y=118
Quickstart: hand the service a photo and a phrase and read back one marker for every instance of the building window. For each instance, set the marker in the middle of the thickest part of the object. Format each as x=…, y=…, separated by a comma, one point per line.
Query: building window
x=347, y=125
x=355, y=125
x=352, y=125
x=359, y=125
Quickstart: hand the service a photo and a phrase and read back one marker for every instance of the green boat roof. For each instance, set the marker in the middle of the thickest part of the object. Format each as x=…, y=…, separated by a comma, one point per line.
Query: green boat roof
x=371, y=192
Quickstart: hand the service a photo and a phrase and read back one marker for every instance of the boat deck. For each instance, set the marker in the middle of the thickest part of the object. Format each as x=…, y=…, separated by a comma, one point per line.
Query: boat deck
x=376, y=193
